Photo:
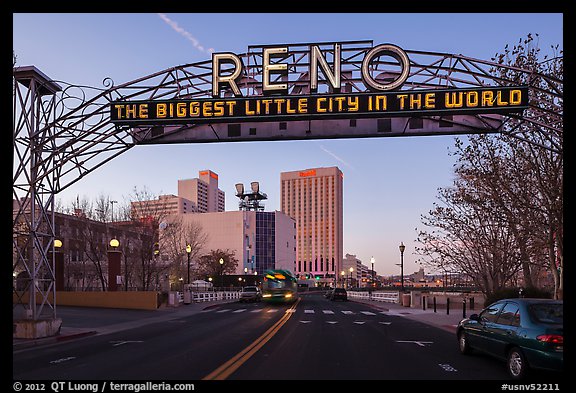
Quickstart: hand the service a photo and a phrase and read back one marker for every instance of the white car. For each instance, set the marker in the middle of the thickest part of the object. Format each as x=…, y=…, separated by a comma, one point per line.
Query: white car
x=250, y=294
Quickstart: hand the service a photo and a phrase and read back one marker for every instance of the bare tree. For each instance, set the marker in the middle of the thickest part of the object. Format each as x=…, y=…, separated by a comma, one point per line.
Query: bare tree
x=209, y=264
x=177, y=239
x=504, y=215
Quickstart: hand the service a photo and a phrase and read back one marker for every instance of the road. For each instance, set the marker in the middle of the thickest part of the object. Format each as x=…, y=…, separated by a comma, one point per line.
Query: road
x=316, y=339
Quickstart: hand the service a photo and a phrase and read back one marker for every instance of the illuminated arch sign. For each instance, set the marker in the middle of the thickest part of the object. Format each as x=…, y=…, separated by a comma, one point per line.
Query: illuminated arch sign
x=381, y=97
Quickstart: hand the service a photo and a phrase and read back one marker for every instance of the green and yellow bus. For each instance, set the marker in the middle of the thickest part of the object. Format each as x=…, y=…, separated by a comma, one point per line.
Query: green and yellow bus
x=279, y=286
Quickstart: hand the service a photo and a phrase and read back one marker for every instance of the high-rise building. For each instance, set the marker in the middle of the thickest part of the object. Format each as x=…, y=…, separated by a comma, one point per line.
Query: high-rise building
x=314, y=198
x=164, y=206
x=198, y=195
x=203, y=192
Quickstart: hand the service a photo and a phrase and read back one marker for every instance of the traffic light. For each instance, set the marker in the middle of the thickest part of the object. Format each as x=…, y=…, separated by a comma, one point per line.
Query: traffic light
x=317, y=277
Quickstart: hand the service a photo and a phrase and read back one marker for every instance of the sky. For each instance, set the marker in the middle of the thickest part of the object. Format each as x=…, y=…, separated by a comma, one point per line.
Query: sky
x=389, y=183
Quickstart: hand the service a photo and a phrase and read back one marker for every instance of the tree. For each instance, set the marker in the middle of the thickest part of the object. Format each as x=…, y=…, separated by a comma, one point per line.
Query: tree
x=209, y=264
x=503, y=216
x=174, y=239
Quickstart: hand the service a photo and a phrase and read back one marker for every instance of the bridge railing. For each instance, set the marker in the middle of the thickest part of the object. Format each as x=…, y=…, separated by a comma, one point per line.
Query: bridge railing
x=387, y=297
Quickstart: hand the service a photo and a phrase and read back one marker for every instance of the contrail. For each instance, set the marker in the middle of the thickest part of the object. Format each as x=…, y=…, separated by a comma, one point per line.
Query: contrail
x=174, y=25
x=336, y=157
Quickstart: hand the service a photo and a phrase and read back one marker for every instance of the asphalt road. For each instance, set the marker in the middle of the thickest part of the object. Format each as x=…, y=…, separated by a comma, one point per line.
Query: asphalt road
x=317, y=340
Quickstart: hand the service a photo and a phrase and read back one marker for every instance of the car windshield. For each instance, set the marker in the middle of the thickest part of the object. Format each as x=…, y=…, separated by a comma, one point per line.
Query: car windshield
x=548, y=313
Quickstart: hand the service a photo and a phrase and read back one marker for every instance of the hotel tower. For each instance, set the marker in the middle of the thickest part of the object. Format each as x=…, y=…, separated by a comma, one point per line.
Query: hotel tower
x=313, y=197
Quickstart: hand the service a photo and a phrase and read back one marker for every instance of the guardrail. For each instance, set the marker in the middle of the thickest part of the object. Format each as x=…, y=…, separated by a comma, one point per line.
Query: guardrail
x=387, y=297
x=198, y=297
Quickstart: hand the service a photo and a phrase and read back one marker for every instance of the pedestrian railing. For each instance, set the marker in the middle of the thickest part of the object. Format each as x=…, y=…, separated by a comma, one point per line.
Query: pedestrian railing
x=387, y=297
x=198, y=297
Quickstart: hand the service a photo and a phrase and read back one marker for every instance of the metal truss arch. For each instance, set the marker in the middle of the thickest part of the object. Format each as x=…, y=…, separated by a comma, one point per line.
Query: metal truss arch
x=62, y=132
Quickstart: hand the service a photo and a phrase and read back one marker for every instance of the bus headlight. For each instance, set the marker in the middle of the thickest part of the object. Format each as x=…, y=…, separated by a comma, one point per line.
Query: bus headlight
x=288, y=295
x=267, y=295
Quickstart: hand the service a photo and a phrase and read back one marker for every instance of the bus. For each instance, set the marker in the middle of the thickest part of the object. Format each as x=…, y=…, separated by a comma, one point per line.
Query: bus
x=279, y=286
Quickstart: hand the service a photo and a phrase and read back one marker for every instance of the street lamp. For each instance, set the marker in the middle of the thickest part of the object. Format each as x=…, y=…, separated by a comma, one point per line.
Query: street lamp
x=372, y=281
x=221, y=271
x=342, y=278
x=114, y=243
x=188, y=251
x=402, y=247
x=351, y=270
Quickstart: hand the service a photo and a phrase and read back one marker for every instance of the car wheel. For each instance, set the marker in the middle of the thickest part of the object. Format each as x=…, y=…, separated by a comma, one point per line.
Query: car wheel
x=516, y=363
x=463, y=344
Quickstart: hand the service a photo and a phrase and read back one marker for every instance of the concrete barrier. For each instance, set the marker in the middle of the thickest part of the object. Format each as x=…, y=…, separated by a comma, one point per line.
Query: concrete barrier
x=139, y=300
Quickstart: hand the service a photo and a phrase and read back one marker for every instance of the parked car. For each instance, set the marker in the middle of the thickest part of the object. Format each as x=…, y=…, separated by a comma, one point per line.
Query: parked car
x=338, y=294
x=526, y=333
x=250, y=294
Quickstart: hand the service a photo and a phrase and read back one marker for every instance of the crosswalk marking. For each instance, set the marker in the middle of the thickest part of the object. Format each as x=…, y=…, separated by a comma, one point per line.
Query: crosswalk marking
x=331, y=322
x=367, y=313
x=239, y=310
x=348, y=312
x=224, y=310
x=385, y=323
x=291, y=310
x=271, y=310
x=308, y=311
x=328, y=311
x=257, y=310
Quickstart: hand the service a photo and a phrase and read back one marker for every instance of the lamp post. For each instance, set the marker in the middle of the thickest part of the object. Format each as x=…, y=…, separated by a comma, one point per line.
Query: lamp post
x=114, y=268
x=188, y=251
x=342, y=278
x=58, y=265
x=402, y=247
x=112, y=203
x=372, y=276
x=221, y=272
x=351, y=270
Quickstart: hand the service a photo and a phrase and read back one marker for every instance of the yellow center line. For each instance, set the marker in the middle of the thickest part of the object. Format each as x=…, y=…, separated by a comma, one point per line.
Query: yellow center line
x=226, y=369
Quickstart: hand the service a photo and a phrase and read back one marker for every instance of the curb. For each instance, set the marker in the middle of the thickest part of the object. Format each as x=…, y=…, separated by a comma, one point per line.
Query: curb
x=51, y=340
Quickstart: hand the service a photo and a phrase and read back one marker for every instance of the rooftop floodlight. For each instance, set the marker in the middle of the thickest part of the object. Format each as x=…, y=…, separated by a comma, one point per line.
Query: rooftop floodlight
x=255, y=187
x=239, y=188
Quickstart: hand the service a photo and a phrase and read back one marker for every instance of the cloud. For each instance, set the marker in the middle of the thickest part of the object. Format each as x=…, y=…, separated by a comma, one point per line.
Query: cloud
x=336, y=157
x=174, y=25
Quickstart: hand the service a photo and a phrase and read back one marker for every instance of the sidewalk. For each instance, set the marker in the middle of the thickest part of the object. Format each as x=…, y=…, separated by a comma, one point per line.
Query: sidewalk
x=439, y=318
x=163, y=313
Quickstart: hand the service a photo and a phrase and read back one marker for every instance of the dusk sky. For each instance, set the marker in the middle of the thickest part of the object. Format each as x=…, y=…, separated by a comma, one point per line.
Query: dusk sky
x=388, y=182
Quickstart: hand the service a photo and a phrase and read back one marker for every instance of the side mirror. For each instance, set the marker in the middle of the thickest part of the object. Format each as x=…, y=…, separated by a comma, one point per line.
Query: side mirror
x=474, y=317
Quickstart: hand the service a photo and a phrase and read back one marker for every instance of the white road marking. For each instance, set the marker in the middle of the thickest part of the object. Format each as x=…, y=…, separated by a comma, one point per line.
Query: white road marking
x=272, y=310
x=367, y=313
x=257, y=310
x=385, y=323
x=239, y=310
x=62, y=360
x=348, y=312
x=360, y=322
x=331, y=322
x=420, y=343
x=304, y=321
x=447, y=367
x=225, y=310
x=291, y=310
x=118, y=343
x=328, y=311
x=308, y=311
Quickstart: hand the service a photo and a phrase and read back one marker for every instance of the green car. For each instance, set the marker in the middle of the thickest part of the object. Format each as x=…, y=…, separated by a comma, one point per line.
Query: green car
x=526, y=333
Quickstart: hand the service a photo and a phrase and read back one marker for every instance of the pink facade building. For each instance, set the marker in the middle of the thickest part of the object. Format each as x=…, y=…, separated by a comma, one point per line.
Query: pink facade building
x=314, y=198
